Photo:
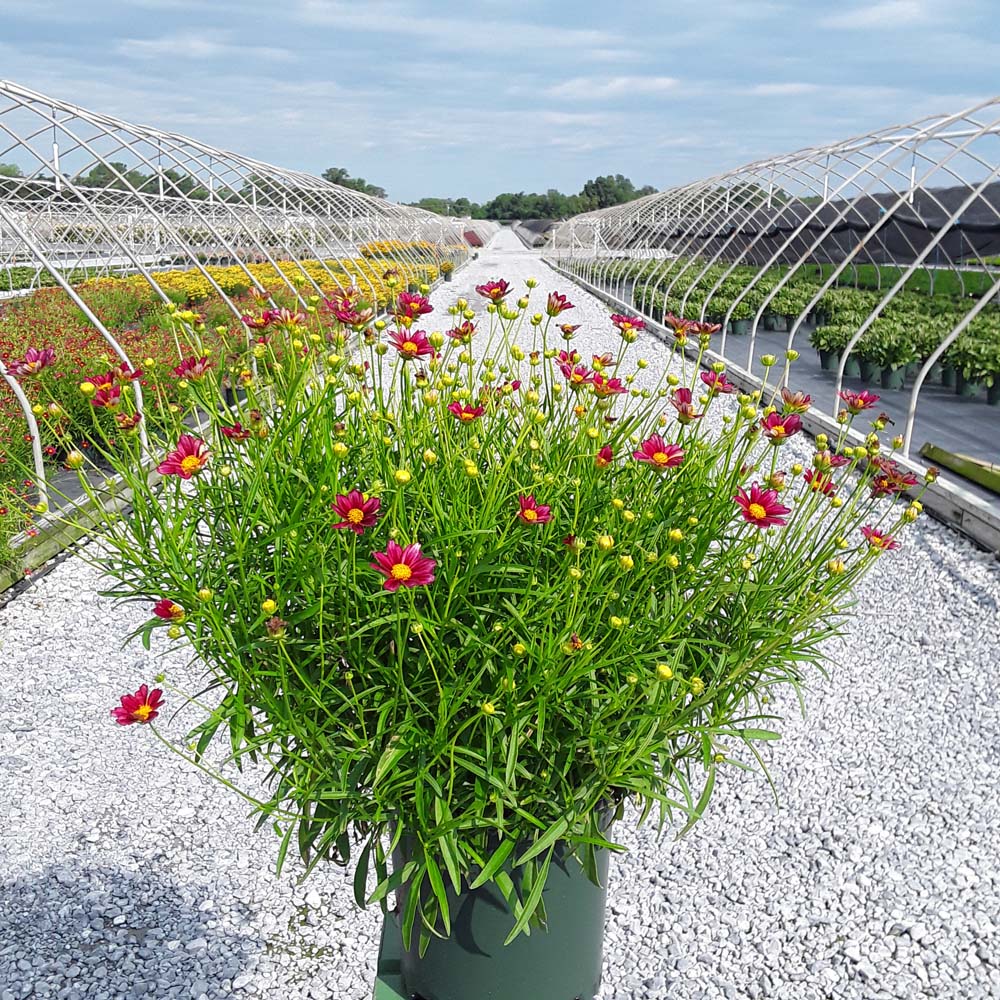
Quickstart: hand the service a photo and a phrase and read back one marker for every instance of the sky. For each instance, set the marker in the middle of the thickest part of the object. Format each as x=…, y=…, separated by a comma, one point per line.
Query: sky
x=455, y=99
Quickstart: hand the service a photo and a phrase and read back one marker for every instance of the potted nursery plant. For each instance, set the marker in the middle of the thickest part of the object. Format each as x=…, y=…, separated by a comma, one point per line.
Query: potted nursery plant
x=471, y=598
x=447, y=269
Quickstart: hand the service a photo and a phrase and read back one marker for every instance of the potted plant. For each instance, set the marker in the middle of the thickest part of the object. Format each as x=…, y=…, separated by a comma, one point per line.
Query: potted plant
x=469, y=599
x=447, y=269
x=891, y=348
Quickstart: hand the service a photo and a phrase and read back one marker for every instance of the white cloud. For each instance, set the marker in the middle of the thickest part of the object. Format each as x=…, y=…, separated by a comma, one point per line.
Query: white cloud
x=456, y=34
x=189, y=45
x=886, y=14
x=782, y=89
x=591, y=88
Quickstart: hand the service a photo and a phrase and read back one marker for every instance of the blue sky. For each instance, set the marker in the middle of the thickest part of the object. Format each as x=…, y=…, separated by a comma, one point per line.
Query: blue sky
x=451, y=98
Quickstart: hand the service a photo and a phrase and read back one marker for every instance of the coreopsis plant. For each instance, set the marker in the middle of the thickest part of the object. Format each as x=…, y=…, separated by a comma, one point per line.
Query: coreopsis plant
x=469, y=592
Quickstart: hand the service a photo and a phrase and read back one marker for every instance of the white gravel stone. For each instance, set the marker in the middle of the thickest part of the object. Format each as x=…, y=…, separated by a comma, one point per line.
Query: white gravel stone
x=884, y=841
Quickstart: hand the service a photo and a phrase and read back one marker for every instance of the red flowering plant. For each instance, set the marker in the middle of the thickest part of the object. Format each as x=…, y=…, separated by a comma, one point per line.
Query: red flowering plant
x=460, y=590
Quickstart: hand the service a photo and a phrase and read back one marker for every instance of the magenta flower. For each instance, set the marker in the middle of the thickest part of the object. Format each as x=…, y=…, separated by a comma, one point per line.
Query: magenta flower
x=142, y=707
x=568, y=358
x=604, y=386
x=257, y=322
x=465, y=413
x=703, y=329
x=410, y=305
x=761, y=507
x=235, y=433
x=463, y=333
x=879, y=540
x=778, y=427
x=819, y=482
x=357, y=512
x=194, y=369
x=604, y=457
x=795, y=402
x=107, y=398
x=627, y=324
x=33, y=362
x=890, y=479
x=654, y=451
x=532, y=512
x=403, y=567
x=411, y=344
x=188, y=459
x=557, y=304
x=679, y=326
x=681, y=401
x=168, y=610
x=718, y=383
x=496, y=291
x=858, y=401
x=577, y=377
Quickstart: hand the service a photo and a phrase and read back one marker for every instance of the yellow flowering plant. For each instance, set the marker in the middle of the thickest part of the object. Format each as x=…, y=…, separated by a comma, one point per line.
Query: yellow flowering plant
x=471, y=592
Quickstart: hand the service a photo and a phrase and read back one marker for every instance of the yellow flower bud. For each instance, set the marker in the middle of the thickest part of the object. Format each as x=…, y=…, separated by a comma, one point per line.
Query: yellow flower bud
x=575, y=573
x=88, y=388
x=617, y=622
x=631, y=679
x=628, y=515
x=436, y=339
x=402, y=476
x=672, y=561
x=429, y=456
x=697, y=686
x=340, y=449
x=673, y=379
x=617, y=503
x=605, y=543
x=692, y=521
x=488, y=708
x=174, y=632
x=626, y=562
x=205, y=594
x=75, y=459
x=792, y=355
x=675, y=534
x=268, y=606
x=663, y=672
x=836, y=567
x=797, y=469
x=520, y=649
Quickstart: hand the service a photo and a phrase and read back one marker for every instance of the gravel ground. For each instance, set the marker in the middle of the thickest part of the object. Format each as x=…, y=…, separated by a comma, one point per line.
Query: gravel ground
x=124, y=873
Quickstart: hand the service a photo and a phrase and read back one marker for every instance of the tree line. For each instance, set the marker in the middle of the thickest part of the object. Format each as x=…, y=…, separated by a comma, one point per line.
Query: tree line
x=600, y=192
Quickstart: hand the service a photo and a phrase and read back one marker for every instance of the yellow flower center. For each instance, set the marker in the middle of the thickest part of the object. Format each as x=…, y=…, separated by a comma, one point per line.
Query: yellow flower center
x=143, y=712
x=355, y=515
x=757, y=512
x=661, y=457
x=401, y=572
x=467, y=415
x=191, y=464
x=409, y=347
x=778, y=430
x=529, y=515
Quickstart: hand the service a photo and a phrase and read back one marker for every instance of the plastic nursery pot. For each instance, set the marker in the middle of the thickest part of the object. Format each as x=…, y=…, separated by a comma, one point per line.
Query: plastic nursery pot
x=893, y=378
x=829, y=361
x=560, y=963
x=446, y=275
x=966, y=388
x=852, y=367
x=871, y=372
x=741, y=327
x=776, y=323
x=912, y=370
x=934, y=374
x=993, y=392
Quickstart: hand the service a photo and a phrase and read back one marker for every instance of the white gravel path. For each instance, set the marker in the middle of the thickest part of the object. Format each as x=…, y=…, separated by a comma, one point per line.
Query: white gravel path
x=124, y=873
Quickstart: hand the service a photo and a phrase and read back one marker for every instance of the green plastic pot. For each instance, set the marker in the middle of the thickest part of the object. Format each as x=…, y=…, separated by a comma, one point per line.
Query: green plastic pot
x=446, y=275
x=871, y=372
x=829, y=361
x=741, y=327
x=561, y=963
x=966, y=388
x=852, y=367
x=912, y=370
x=993, y=392
x=948, y=377
x=774, y=322
x=893, y=378
x=934, y=374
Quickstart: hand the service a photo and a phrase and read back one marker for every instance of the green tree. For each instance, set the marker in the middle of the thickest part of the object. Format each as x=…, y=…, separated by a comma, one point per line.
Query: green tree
x=340, y=176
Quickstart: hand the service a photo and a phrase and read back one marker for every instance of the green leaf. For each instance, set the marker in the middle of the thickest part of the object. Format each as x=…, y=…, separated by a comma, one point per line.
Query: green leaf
x=531, y=903
x=496, y=862
x=437, y=887
x=547, y=840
